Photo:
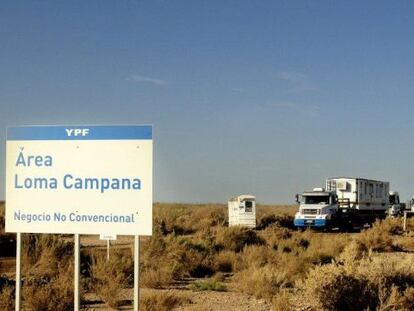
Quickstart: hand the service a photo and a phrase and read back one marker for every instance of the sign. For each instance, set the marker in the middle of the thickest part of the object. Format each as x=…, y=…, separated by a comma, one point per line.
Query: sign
x=108, y=237
x=79, y=179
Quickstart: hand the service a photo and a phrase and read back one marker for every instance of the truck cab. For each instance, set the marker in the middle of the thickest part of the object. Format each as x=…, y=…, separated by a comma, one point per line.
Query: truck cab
x=394, y=204
x=317, y=208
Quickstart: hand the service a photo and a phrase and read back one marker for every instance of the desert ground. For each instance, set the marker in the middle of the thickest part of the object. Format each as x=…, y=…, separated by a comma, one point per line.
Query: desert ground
x=194, y=261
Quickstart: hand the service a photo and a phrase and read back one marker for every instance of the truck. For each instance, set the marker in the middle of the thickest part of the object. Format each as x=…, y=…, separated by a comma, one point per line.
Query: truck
x=395, y=208
x=410, y=205
x=344, y=203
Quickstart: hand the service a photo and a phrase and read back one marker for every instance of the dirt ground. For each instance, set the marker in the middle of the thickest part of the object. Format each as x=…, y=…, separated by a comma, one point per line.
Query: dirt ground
x=200, y=301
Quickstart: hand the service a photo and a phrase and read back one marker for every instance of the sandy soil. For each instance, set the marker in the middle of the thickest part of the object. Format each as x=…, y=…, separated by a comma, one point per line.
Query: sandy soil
x=199, y=301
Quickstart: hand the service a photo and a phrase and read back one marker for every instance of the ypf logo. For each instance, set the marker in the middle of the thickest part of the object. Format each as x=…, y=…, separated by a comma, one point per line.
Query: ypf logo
x=77, y=132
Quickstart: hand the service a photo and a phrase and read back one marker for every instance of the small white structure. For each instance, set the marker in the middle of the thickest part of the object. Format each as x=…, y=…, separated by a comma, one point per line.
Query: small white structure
x=242, y=211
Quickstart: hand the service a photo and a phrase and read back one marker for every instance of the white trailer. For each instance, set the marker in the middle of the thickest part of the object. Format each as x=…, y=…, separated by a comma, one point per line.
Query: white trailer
x=242, y=211
x=346, y=202
x=360, y=193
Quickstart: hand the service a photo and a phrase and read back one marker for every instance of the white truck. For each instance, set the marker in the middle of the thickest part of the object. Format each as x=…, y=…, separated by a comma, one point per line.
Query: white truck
x=395, y=206
x=410, y=205
x=344, y=203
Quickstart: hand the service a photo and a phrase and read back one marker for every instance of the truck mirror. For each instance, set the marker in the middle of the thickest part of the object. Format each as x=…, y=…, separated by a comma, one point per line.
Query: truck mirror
x=297, y=198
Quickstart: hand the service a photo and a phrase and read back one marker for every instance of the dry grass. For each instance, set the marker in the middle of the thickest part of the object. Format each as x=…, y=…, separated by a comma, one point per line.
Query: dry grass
x=236, y=238
x=282, y=301
x=291, y=269
x=261, y=282
x=379, y=237
x=45, y=255
x=50, y=294
x=212, y=284
x=161, y=301
x=110, y=277
x=359, y=280
x=47, y=264
x=6, y=294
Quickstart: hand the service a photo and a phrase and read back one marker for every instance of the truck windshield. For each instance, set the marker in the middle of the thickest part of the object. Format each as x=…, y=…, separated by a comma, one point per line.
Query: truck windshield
x=315, y=199
x=393, y=199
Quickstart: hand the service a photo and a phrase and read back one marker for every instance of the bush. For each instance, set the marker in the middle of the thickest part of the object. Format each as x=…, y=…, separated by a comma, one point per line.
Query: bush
x=44, y=254
x=170, y=258
x=282, y=301
x=109, y=277
x=359, y=280
x=225, y=261
x=253, y=256
x=262, y=282
x=383, y=272
x=236, y=238
x=378, y=237
x=44, y=294
x=329, y=287
x=161, y=301
x=7, y=298
x=208, y=285
x=284, y=220
x=157, y=277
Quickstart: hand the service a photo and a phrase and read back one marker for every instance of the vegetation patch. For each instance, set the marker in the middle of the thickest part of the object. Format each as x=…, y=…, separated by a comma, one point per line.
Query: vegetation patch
x=209, y=285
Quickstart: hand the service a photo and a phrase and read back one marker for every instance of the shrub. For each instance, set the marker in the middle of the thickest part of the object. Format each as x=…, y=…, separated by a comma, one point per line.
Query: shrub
x=274, y=234
x=329, y=287
x=109, y=277
x=283, y=220
x=252, y=256
x=282, y=301
x=225, y=261
x=156, y=277
x=172, y=258
x=208, y=285
x=382, y=272
x=7, y=298
x=359, y=280
x=236, y=238
x=161, y=301
x=378, y=237
x=180, y=219
x=43, y=254
x=262, y=282
x=43, y=294
x=407, y=300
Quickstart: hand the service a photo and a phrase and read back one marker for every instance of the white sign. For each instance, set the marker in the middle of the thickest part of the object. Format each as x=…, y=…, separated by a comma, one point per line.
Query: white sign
x=79, y=179
x=111, y=237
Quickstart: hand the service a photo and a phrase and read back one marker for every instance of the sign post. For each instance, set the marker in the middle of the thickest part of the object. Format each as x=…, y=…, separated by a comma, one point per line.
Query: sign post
x=108, y=238
x=77, y=274
x=18, y=270
x=136, y=273
x=78, y=180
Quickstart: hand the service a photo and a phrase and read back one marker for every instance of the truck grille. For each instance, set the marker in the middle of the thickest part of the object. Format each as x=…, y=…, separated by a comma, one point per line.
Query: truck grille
x=309, y=211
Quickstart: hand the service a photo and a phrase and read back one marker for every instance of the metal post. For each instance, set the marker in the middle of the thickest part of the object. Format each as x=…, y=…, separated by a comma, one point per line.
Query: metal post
x=405, y=222
x=107, y=250
x=136, y=273
x=18, y=271
x=77, y=269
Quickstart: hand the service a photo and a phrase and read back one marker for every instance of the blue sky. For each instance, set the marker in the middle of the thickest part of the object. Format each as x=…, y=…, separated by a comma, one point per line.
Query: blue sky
x=261, y=97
